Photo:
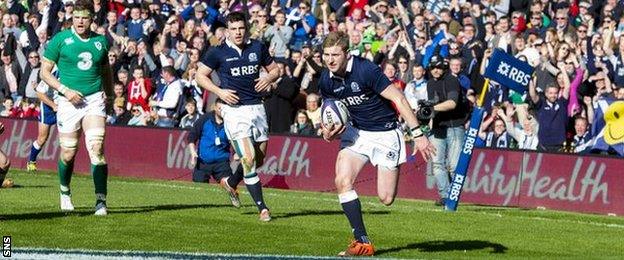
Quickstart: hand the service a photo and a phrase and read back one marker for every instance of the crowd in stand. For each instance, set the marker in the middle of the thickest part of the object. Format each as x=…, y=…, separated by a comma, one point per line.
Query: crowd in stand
x=576, y=48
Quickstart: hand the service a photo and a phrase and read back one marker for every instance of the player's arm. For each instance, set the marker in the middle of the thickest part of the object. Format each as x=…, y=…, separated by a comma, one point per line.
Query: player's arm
x=202, y=77
x=395, y=95
x=41, y=94
x=194, y=134
x=264, y=83
x=46, y=75
x=421, y=143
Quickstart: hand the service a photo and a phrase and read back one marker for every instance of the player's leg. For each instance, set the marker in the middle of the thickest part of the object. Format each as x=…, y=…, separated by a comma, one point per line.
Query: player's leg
x=222, y=172
x=440, y=169
x=5, y=163
x=387, y=182
x=43, y=132
x=68, y=142
x=245, y=149
x=261, y=149
x=348, y=166
x=388, y=154
x=94, y=129
x=237, y=175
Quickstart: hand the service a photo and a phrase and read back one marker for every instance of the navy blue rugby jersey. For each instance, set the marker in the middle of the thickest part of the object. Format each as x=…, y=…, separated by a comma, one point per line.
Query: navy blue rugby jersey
x=238, y=68
x=360, y=91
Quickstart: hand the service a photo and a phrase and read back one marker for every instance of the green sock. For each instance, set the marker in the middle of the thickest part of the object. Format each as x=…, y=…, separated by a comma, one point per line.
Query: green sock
x=100, y=176
x=65, y=173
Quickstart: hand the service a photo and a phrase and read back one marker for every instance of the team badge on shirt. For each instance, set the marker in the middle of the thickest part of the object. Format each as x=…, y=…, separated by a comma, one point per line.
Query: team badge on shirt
x=355, y=87
x=98, y=45
x=253, y=57
x=69, y=41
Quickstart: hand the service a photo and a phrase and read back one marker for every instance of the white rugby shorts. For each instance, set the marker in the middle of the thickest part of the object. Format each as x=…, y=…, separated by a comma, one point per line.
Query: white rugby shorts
x=245, y=121
x=383, y=148
x=69, y=116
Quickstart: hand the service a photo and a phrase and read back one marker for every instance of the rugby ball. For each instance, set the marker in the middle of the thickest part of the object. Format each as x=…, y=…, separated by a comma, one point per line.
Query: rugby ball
x=334, y=112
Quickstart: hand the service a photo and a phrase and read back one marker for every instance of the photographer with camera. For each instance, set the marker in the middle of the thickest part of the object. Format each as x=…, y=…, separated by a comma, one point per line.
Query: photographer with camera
x=449, y=116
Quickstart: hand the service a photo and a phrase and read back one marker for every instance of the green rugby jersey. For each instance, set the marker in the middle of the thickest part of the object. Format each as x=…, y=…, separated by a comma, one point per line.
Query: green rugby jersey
x=79, y=61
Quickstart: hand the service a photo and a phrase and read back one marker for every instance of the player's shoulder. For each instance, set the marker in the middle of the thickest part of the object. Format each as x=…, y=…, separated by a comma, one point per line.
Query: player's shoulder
x=217, y=48
x=359, y=62
x=98, y=37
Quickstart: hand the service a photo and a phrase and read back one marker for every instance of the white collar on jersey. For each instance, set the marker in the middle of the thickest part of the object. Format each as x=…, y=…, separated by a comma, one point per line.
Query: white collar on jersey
x=349, y=68
x=233, y=46
x=78, y=35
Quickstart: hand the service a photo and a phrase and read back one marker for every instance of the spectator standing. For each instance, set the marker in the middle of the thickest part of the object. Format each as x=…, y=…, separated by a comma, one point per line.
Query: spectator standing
x=167, y=100
x=447, y=132
x=139, y=89
x=134, y=25
x=30, y=77
x=416, y=89
x=552, y=115
x=304, y=23
x=10, y=76
x=279, y=35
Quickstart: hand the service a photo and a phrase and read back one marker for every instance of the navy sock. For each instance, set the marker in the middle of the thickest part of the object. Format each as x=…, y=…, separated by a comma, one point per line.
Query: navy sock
x=235, y=179
x=34, y=152
x=255, y=190
x=353, y=210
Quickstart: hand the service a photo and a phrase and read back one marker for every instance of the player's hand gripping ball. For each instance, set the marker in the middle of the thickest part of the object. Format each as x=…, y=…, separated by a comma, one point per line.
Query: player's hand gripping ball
x=333, y=112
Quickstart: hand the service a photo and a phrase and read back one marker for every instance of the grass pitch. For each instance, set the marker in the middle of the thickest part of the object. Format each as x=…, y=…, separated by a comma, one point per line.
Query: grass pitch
x=188, y=217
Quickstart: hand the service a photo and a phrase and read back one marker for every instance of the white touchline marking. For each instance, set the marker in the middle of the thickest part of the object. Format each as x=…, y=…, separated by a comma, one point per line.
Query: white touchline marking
x=58, y=253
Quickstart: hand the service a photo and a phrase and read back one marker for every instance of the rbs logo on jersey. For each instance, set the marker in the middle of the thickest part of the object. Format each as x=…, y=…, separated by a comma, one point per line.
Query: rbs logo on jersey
x=244, y=70
x=354, y=100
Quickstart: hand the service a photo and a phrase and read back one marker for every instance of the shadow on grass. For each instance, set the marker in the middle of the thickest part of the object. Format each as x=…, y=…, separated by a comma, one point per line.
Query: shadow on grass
x=305, y=213
x=445, y=246
x=83, y=211
x=18, y=186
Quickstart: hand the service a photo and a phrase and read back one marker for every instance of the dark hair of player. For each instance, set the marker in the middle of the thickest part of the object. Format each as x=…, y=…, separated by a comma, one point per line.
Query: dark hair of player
x=339, y=39
x=236, y=17
x=84, y=5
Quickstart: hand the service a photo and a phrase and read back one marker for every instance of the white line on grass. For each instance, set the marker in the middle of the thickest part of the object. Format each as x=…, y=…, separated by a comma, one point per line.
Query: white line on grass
x=79, y=254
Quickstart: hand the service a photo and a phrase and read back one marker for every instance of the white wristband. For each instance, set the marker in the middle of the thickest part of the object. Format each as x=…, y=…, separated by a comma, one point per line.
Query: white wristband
x=62, y=89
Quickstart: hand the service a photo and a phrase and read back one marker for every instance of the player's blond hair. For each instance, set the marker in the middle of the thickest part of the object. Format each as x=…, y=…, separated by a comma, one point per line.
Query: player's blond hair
x=339, y=39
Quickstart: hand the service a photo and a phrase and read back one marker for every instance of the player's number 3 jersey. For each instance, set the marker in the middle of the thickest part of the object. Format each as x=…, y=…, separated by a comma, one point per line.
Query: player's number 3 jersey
x=79, y=60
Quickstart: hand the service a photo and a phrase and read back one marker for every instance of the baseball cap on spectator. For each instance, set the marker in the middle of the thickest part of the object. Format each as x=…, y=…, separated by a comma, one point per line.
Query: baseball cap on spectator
x=437, y=62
